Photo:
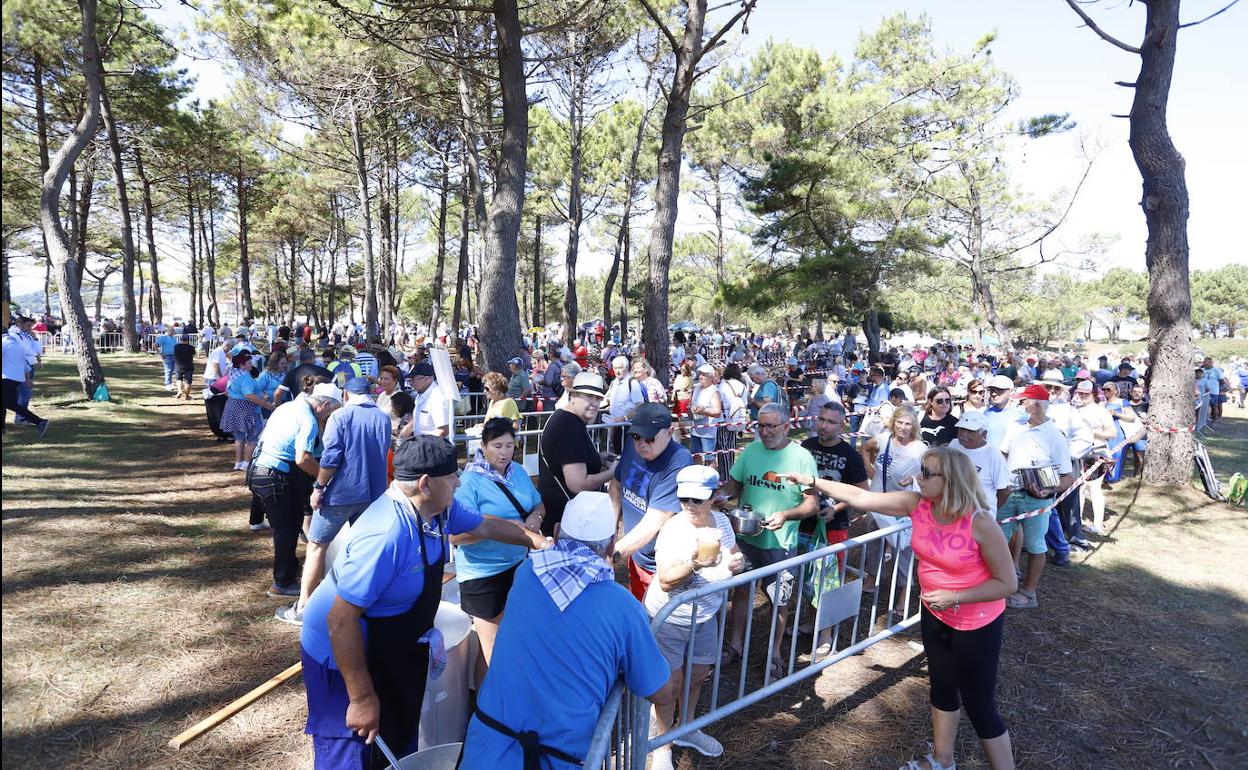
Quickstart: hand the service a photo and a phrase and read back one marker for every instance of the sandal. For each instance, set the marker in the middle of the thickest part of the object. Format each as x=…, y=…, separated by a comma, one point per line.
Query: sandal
x=776, y=669
x=932, y=764
x=1023, y=600
x=729, y=656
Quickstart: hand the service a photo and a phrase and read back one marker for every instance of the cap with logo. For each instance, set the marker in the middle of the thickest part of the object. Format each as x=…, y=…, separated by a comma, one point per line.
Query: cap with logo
x=649, y=419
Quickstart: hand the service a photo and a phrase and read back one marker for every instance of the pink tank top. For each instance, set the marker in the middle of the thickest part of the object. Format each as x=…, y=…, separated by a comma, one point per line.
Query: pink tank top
x=949, y=559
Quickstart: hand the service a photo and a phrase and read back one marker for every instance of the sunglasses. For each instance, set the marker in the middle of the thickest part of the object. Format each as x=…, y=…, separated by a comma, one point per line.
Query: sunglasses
x=998, y=390
x=927, y=473
x=940, y=400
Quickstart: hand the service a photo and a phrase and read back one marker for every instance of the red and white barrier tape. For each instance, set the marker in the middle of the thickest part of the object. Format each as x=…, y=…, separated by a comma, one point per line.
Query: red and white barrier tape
x=1083, y=479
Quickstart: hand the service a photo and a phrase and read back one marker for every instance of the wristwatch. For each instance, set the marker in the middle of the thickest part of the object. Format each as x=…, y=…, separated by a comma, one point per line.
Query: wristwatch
x=317, y=485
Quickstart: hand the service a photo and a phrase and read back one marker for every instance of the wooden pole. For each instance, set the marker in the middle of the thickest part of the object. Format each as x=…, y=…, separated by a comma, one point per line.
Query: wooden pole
x=197, y=730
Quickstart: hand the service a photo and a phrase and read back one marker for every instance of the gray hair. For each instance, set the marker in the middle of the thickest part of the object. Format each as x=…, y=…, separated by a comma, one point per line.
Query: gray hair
x=323, y=400
x=756, y=369
x=619, y=359
x=603, y=548
x=771, y=407
x=407, y=488
x=645, y=365
x=835, y=406
x=571, y=370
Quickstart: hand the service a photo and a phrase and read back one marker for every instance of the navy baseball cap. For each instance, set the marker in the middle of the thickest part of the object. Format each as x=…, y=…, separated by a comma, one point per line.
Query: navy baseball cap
x=649, y=419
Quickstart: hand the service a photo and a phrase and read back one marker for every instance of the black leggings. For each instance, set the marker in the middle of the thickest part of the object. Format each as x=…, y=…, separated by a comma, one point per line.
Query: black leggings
x=964, y=663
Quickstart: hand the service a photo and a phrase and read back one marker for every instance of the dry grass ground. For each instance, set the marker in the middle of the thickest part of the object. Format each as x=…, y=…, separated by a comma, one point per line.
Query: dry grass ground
x=133, y=605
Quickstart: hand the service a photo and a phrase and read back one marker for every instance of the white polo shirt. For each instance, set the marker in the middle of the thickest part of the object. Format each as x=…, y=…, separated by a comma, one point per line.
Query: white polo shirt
x=1036, y=446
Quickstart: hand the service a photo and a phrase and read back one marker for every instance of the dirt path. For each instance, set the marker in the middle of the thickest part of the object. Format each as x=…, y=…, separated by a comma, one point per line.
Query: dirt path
x=133, y=605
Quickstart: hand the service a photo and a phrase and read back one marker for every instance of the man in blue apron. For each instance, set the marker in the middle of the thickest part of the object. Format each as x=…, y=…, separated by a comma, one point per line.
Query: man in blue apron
x=365, y=642
x=569, y=633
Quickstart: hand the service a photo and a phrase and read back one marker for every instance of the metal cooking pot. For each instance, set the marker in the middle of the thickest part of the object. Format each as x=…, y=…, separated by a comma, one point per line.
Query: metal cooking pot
x=1039, y=482
x=745, y=522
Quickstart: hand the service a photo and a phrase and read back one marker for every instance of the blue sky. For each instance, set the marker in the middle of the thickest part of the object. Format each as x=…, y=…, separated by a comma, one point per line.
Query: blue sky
x=1061, y=66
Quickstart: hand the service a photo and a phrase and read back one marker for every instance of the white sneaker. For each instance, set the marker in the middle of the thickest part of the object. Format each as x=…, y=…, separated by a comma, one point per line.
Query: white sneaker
x=243, y=465
x=661, y=759
x=260, y=527
x=701, y=743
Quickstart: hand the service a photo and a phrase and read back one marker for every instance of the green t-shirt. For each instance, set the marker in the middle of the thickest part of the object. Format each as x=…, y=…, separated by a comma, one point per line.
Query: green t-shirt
x=760, y=472
x=517, y=385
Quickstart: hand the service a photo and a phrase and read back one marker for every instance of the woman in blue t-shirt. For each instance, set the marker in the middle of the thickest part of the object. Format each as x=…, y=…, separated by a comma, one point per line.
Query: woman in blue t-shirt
x=495, y=486
x=241, y=415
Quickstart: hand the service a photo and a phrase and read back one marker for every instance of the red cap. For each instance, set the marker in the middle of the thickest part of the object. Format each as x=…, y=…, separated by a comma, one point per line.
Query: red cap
x=1037, y=392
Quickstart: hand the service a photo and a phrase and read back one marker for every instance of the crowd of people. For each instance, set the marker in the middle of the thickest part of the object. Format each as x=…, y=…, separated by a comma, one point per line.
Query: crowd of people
x=818, y=438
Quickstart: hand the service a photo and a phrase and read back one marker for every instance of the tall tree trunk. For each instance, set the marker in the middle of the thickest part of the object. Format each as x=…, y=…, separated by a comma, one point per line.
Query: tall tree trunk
x=666, y=193
x=129, y=335
x=208, y=250
x=499, y=312
x=1165, y=204
x=981, y=282
x=625, y=262
x=461, y=274
x=41, y=133
x=244, y=256
x=537, y=272
x=86, y=191
x=575, y=212
x=718, y=211
x=90, y=374
x=371, y=329
x=149, y=230
x=871, y=329
x=385, y=222
x=339, y=233
x=444, y=192
x=47, y=286
x=197, y=308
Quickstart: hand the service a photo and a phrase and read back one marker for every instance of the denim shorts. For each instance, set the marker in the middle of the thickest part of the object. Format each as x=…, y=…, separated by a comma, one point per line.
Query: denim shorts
x=1034, y=528
x=328, y=520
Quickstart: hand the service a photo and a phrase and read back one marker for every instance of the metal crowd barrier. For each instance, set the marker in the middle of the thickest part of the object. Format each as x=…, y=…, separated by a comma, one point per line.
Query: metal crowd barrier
x=839, y=610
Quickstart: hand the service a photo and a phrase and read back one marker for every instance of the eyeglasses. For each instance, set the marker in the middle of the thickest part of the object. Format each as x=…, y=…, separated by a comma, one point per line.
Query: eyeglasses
x=975, y=391
x=770, y=425
x=940, y=400
x=643, y=439
x=998, y=390
x=927, y=473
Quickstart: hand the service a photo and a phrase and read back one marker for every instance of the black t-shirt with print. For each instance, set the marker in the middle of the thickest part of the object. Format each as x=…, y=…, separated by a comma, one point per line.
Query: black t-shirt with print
x=836, y=463
x=938, y=432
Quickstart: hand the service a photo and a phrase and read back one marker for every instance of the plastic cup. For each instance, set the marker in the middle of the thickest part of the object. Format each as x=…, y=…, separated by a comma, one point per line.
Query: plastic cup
x=708, y=545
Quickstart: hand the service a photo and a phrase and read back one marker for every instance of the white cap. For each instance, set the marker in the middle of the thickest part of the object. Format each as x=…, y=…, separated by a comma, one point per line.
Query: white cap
x=975, y=421
x=1054, y=377
x=697, y=481
x=706, y=369
x=327, y=389
x=1000, y=381
x=590, y=516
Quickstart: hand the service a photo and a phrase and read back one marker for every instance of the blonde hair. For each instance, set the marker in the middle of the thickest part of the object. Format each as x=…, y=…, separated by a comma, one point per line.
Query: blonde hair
x=494, y=381
x=905, y=410
x=963, y=495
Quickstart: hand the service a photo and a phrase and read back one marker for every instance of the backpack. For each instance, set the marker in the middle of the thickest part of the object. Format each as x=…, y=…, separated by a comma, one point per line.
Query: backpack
x=734, y=404
x=783, y=399
x=1238, y=486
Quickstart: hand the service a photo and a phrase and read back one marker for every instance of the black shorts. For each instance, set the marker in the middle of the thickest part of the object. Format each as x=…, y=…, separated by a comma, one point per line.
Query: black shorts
x=184, y=375
x=486, y=597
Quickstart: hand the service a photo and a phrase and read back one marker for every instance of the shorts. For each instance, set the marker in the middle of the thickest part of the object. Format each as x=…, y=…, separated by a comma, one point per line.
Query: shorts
x=184, y=375
x=327, y=521
x=486, y=597
x=1034, y=528
x=638, y=580
x=673, y=640
x=765, y=557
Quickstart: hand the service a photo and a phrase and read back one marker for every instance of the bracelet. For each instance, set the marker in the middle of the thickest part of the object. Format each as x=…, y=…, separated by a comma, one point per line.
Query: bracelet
x=957, y=601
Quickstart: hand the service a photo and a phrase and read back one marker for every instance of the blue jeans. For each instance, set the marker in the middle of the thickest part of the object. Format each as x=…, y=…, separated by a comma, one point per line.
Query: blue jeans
x=1055, y=538
x=701, y=444
x=169, y=366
